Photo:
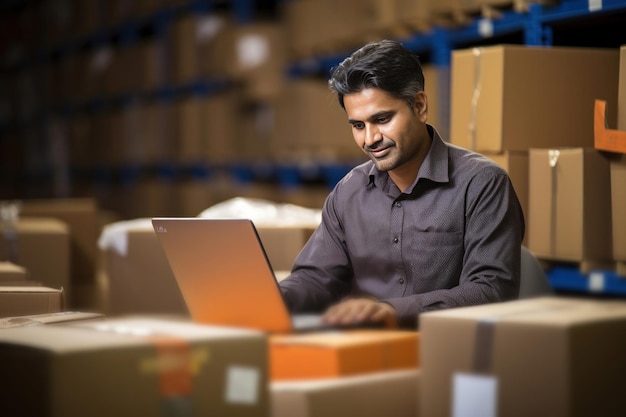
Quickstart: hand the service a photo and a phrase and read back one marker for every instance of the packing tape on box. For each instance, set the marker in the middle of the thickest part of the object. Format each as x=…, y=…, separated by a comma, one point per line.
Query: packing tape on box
x=475, y=393
x=476, y=52
x=553, y=159
x=485, y=333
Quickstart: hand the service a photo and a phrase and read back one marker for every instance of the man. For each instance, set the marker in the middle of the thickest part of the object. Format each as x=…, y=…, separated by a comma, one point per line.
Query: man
x=423, y=225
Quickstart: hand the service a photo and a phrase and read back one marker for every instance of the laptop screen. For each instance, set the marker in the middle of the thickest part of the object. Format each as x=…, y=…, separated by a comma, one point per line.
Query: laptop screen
x=223, y=272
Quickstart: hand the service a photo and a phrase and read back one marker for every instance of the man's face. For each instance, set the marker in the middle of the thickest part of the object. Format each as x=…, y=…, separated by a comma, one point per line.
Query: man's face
x=390, y=132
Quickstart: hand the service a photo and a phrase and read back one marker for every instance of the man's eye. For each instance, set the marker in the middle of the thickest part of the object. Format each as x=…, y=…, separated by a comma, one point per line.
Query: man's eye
x=358, y=125
x=383, y=119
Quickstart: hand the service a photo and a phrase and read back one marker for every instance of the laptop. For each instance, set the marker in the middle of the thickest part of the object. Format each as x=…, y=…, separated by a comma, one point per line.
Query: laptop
x=225, y=276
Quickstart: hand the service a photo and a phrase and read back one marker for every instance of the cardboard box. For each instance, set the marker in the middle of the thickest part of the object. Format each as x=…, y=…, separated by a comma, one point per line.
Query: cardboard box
x=516, y=165
x=310, y=125
x=190, y=128
x=133, y=367
x=81, y=217
x=10, y=272
x=152, y=56
x=186, y=51
x=250, y=53
x=284, y=243
x=569, y=216
x=48, y=318
x=219, y=115
x=27, y=300
x=510, y=97
x=555, y=356
x=391, y=393
x=414, y=14
x=437, y=88
x=618, y=206
x=462, y=11
x=140, y=280
x=315, y=27
x=334, y=354
x=42, y=246
x=305, y=21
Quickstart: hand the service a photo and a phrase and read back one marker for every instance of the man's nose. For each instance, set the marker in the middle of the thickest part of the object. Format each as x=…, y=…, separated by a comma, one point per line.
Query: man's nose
x=372, y=135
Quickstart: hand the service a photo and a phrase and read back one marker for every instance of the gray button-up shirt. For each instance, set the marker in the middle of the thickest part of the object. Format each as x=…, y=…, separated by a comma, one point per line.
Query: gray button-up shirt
x=452, y=239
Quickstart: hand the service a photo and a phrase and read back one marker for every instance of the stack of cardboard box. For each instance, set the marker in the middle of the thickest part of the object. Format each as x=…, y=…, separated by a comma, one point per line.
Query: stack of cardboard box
x=42, y=247
x=507, y=100
x=613, y=142
x=372, y=372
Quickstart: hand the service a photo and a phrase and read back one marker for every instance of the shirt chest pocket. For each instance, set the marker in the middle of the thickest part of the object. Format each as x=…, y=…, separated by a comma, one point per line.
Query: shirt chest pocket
x=434, y=254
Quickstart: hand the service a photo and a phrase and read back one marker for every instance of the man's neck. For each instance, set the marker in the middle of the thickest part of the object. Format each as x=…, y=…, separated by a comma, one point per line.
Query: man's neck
x=404, y=176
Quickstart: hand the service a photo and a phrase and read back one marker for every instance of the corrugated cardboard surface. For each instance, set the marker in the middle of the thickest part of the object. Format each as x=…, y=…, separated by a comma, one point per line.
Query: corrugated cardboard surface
x=570, y=205
x=47, y=318
x=141, y=280
x=618, y=206
x=333, y=354
x=133, y=367
x=519, y=97
x=21, y=301
x=516, y=165
x=81, y=217
x=10, y=272
x=547, y=356
x=283, y=244
x=310, y=124
x=43, y=248
x=391, y=393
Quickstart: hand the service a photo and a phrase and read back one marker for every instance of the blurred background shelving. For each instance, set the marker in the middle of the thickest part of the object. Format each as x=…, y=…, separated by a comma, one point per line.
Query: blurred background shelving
x=164, y=107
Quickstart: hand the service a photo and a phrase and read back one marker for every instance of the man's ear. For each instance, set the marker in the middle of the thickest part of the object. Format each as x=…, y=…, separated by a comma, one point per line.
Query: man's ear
x=420, y=106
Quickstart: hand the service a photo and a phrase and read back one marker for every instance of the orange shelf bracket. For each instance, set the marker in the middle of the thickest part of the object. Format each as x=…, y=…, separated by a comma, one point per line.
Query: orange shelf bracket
x=606, y=139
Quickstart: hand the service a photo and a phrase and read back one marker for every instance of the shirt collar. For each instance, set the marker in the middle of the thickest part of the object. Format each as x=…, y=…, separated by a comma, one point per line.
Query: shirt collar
x=434, y=167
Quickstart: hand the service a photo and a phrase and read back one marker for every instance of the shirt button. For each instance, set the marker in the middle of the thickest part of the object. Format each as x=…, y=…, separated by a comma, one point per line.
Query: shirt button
x=401, y=280
x=395, y=240
x=398, y=204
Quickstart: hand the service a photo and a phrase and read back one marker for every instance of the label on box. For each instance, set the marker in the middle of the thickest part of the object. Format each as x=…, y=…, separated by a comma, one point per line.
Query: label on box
x=253, y=51
x=242, y=385
x=595, y=5
x=474, y=395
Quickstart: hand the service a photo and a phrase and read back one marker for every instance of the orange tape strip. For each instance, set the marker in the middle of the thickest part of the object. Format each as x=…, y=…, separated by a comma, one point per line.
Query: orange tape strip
x=174, y=358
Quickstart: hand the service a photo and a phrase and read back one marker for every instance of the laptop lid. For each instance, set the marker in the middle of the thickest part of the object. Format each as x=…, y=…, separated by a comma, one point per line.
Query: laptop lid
x=223, y=272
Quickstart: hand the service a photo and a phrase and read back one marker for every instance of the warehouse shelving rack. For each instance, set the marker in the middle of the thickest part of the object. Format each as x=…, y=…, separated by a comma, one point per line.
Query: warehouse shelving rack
x=534, y=25
x=531, y=27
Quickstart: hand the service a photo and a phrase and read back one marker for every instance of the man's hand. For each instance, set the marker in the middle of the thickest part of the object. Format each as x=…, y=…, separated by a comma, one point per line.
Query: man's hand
x=360, y=310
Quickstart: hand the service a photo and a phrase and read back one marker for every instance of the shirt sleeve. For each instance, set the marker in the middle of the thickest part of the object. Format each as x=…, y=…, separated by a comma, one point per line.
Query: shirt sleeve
x=322, y=271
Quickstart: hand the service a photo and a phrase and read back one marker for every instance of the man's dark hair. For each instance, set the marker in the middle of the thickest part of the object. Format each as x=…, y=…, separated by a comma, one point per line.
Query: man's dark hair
x=386, y=65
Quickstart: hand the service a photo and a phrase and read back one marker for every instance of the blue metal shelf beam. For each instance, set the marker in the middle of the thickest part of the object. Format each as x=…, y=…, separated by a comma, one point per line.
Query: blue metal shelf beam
x=574, y=9
x=600, y=282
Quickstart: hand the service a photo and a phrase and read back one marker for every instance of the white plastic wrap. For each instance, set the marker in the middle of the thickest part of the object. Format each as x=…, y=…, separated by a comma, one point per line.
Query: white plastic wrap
x=263, y=212
x=114, y=236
